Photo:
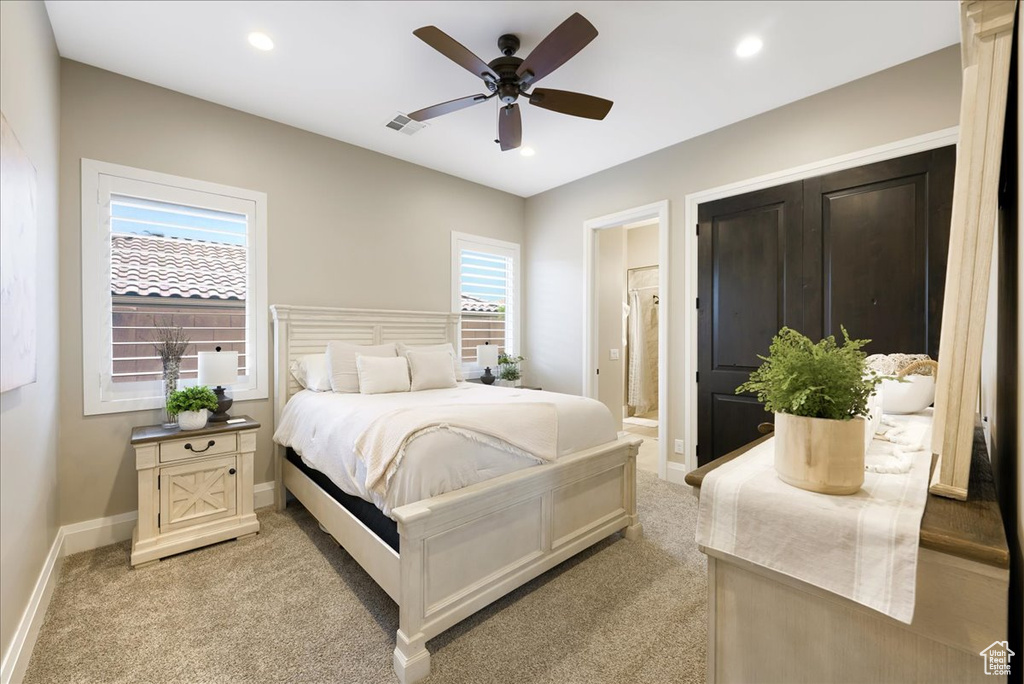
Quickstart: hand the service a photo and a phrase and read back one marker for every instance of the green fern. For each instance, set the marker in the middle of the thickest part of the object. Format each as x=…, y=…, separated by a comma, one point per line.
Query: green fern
x=823, y=380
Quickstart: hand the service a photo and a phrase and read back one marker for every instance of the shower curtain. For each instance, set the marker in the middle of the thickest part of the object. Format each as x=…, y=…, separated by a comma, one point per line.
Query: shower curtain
x=642, y=340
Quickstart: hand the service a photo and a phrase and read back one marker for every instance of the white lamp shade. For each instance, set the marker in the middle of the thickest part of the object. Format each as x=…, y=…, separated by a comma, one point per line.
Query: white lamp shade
x=487, y=355
x=218, y=368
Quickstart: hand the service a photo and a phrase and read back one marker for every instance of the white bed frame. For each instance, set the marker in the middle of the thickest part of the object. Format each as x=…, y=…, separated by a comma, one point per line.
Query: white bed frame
x=464, y=549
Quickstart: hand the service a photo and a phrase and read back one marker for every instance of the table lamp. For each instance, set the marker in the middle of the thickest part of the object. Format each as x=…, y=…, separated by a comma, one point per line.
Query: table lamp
x=219, y=368
x=487, y=356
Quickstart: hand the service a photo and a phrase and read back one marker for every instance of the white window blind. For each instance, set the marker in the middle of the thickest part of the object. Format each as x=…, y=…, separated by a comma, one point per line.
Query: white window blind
x=485, y=292
x=161, y=251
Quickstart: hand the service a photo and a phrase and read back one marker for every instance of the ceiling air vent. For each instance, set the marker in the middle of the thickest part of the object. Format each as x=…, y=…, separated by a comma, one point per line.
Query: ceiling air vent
x=404, y=124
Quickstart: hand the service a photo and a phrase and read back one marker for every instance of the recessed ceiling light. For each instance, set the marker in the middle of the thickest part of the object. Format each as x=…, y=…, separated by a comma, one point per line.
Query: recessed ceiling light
x=527, y=151
x=261, y=41
x=749, y=46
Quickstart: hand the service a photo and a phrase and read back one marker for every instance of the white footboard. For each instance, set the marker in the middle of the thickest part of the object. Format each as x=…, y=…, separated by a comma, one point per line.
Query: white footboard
x=461, y=551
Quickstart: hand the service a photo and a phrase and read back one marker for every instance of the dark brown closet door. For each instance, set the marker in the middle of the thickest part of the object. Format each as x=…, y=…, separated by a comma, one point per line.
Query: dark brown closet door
x=864, y=248
x=875, y=244
x=749, y=279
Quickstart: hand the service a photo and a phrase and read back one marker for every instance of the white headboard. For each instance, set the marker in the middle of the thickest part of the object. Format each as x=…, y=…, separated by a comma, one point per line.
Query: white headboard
x=302, y=330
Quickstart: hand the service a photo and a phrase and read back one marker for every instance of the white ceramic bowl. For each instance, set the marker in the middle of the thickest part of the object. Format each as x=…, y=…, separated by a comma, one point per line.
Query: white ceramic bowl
x=916, y=394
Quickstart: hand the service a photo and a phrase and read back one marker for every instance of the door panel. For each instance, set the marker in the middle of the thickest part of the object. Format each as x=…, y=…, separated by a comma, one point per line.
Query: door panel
x=201, y=491
x=749, y=286
x=874, y=264
x=876, y=239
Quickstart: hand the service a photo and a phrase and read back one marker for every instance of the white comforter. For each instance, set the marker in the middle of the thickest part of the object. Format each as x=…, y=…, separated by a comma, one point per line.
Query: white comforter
x=323, y=427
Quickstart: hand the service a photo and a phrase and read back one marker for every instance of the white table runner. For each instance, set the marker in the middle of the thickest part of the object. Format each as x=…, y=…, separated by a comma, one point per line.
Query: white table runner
x=862, y=547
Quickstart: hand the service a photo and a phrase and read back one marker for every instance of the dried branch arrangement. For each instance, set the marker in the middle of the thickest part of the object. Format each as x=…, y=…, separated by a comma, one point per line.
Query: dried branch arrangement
x=171, y=344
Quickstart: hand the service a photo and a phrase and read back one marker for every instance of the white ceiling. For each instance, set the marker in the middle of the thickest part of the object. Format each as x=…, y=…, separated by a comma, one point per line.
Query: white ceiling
x=343, y=69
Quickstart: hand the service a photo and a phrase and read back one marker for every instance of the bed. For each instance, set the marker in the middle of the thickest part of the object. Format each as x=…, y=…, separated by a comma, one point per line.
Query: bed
x=450, y=555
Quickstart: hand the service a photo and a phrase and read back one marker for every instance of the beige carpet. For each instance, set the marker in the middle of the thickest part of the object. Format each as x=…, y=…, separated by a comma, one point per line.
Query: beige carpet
x=290, y=606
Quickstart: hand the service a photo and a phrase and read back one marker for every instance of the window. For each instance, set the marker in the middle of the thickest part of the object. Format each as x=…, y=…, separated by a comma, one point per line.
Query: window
x=485, y=291
x=162, y=251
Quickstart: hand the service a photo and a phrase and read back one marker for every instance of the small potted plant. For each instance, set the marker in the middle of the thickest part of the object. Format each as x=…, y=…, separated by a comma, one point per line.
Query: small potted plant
x=190, y=405
x=509, y=373
x=819, y=394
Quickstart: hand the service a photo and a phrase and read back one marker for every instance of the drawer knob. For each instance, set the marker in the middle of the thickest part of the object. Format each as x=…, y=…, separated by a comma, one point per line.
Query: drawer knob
x=199, y=451
x=231, y=472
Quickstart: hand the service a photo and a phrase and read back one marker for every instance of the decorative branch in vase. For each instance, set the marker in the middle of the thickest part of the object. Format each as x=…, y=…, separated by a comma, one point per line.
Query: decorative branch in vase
x=171, y=344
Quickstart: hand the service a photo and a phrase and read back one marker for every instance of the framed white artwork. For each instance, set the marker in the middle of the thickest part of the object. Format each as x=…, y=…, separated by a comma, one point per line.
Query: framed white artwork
x=17, y=262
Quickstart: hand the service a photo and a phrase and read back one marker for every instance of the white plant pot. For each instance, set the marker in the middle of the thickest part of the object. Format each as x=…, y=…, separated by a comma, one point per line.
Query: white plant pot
x=820, y=455
x=192, y=420
x=916, y=394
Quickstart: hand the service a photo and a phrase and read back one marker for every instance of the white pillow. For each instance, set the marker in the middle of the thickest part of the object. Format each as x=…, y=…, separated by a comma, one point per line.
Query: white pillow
x=431, y=370
x=379, y=375
x=404, y=349
x=341, y=362
x=311, y=372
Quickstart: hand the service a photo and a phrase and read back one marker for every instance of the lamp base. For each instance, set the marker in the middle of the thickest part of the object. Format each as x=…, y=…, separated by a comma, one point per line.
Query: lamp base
x=224, y=402
x=487, y=378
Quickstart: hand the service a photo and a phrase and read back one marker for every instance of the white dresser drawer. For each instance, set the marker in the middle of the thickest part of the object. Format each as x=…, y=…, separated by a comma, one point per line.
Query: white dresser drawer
x=200, y=445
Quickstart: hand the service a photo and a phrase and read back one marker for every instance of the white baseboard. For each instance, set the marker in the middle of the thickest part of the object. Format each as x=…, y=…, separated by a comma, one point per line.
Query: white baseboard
x=676, y=472
x=75, y=538
x=15, y=661
x=92, y=534
x=263, y=494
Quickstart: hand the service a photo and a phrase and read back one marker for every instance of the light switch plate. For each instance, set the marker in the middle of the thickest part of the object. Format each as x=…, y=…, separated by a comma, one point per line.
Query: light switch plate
x=614, y=353
x=680, y=447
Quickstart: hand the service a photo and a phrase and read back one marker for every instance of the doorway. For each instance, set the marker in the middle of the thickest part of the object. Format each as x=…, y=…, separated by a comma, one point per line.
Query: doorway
x=626, y=326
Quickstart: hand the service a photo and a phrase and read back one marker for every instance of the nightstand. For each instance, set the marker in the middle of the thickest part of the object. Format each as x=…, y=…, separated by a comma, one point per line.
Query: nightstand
x=195, y=487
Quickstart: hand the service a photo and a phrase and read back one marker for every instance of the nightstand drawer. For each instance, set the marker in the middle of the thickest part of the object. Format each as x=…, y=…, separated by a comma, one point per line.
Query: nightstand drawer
x=200, y=445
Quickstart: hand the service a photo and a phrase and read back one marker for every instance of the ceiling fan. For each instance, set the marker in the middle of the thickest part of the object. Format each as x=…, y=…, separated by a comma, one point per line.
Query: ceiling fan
x=508, y=77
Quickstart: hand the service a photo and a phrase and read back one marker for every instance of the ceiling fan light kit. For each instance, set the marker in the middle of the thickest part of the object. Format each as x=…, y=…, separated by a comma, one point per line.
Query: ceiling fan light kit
x=508, y=77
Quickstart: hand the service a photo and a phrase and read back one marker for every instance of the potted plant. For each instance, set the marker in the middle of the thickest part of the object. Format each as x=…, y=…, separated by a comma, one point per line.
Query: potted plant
x=819, y=394
x=190, y=405
x=509, y=373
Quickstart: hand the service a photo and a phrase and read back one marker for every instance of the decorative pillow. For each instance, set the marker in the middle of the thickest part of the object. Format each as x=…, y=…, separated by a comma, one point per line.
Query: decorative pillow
x=404, y=349
x=341, y=362
x=431, y=370
x=379, y=375
x=310, y=370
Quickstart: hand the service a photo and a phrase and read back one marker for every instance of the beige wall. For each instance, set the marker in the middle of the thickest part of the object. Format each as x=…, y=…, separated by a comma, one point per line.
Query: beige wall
x=29, y=98
x=610, y=260
x=642, y=246
x=913, y=98
x=347, y=227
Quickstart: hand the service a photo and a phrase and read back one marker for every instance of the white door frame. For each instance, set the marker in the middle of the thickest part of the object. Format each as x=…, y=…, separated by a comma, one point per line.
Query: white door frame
x=900, y=148
x=659, y=211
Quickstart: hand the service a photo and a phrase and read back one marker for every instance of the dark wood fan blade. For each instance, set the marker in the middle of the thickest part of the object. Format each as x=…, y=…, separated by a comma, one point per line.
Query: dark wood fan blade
x=568, y=102
x=571, y=36
x=455, y=51
x=510, y=127
x=447, y=107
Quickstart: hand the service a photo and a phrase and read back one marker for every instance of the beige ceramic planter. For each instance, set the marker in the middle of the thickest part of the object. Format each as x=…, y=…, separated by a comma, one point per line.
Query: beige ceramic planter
x=820, y=455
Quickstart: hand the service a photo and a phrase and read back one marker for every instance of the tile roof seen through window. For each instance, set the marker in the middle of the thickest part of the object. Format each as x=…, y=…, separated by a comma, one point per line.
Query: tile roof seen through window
x=476, y=305
x=153, y=266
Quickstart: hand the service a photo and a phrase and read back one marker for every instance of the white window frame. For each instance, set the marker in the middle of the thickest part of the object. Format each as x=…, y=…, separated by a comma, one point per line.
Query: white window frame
x=99, y=181
x=513, y=317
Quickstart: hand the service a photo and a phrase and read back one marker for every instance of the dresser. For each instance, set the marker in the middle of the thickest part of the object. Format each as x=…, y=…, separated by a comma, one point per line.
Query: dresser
x=767, y=627
x=195, y=487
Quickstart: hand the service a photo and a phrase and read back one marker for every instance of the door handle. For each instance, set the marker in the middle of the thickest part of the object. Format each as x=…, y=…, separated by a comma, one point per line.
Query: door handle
x=231, y=472
x=188, y=445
